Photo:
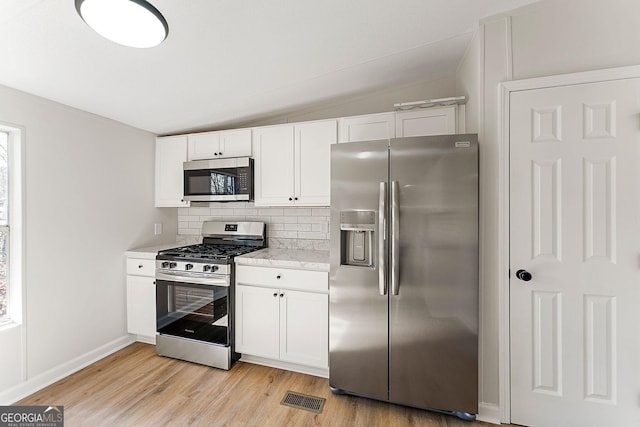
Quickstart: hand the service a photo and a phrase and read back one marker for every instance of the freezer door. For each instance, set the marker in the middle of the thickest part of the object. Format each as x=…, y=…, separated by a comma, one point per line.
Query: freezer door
x=358, y=308
x=434, y=316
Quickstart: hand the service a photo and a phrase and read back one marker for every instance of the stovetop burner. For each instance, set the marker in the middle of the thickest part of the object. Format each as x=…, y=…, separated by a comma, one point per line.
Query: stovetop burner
x=221, y=241
x=203, y=250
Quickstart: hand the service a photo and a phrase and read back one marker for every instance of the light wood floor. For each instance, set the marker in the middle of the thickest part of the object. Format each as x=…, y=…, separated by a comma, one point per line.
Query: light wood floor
x=135, y=387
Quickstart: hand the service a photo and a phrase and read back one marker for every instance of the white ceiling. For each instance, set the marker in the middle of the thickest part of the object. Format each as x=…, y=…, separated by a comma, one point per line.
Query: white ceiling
x=229, y=61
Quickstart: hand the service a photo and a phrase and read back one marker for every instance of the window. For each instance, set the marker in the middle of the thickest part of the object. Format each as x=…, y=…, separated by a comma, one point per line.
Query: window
x=11, y=225
x=4, y=226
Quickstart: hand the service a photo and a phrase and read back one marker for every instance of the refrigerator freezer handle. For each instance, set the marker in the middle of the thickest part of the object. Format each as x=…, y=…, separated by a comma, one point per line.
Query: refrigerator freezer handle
x=395, y=238
x=382, y=231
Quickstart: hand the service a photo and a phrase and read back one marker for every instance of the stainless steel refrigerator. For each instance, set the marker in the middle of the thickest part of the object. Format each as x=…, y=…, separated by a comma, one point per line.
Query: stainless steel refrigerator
x=404, y=272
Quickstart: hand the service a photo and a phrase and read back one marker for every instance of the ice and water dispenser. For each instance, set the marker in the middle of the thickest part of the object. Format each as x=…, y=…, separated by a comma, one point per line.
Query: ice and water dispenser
x=356, y=237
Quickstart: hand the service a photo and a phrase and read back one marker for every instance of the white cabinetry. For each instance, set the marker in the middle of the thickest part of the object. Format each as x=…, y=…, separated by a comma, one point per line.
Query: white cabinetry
x=171, y=153
x=282, y=316
x=427, y=121
x=141, y=298
x=367, y=127
x=293, y=163
x=222, y=144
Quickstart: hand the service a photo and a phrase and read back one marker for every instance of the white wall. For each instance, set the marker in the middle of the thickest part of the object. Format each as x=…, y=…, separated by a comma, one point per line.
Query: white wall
x=468, y=83
x=546, y=38
x=88, y=198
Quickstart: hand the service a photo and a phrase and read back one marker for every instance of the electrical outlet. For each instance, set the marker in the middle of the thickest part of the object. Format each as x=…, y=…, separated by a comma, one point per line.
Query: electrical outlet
x=157, y=229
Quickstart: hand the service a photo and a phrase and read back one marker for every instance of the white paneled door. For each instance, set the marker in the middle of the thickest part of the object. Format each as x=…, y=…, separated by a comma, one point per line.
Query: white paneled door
x=575, y=228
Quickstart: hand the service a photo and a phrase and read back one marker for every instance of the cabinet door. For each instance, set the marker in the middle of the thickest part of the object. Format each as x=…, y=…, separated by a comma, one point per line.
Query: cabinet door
x=204, y=145
x=171, y=152
x=428, y=121
x=141, y=306
x=304, y=328
x=273, y=160
x=313, y=162
x=257, y=321
x=369, y=127
x=235, y=143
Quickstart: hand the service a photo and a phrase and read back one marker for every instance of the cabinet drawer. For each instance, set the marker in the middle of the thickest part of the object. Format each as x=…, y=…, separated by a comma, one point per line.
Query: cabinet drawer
x=304, y=280
x=141, y=267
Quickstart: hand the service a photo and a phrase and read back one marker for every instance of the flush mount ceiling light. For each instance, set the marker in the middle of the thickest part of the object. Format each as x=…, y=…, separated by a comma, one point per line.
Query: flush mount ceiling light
x=133, y=23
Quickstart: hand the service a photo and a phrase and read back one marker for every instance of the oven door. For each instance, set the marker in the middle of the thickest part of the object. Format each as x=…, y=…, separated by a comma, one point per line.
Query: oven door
x=194, y=307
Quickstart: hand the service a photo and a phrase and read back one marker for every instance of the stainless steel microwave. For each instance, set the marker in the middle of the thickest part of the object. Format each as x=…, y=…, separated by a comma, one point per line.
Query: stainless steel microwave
x=219, y=180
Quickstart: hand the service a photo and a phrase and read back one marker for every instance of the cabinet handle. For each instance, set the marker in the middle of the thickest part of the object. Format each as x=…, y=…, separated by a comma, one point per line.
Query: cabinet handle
x=278, y=277
x=140, y=266
x=275, y=294
x=281, y=295
x=295, y=198
x=220, y=153
x=154, y=282
x=290, y=199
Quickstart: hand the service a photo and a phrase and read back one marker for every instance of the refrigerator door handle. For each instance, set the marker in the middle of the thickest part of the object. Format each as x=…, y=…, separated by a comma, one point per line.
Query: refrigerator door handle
x=395, y=238
x=382, y=231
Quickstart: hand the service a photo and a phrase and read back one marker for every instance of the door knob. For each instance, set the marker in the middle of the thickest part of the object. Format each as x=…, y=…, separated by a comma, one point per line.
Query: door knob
x=524, y=275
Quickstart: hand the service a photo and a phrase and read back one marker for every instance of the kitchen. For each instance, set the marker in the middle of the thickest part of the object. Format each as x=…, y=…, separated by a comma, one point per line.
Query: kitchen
x=114, y=210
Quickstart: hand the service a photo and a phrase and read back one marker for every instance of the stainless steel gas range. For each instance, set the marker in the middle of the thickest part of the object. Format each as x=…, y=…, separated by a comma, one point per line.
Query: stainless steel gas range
x=195, y=293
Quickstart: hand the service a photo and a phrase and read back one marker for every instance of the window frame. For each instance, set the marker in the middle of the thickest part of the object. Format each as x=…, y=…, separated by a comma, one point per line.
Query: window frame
x=15, y=223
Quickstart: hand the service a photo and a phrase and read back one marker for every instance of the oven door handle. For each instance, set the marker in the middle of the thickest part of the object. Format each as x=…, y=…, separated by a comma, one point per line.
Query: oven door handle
x=182, y=277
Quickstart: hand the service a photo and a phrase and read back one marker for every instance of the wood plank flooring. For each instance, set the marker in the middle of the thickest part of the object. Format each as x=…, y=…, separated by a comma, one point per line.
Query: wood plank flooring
x=135, y=387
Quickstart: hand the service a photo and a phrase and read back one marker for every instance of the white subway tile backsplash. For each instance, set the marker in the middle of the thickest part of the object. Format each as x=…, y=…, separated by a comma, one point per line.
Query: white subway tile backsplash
x=285, y=220
x=297, y=227
x=189, y=232
x=311, y=235
x=284, y=234
x=198, y=211
x=271, y=211
x=321, y=212
x=245, y=211
x=313, y=219
x=297, y=211
x=287, y=227
x=321, y=228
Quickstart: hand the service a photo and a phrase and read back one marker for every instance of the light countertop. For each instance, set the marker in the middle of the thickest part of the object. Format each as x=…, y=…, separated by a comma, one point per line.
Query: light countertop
x=150, y=252
x=287, y=258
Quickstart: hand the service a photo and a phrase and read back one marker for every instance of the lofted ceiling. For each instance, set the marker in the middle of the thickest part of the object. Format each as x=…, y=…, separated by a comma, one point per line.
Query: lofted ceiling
x=229, y=61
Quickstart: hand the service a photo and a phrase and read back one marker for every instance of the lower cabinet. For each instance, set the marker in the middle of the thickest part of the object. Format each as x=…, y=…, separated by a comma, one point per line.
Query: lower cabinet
x=283, y=323
x=141, y=299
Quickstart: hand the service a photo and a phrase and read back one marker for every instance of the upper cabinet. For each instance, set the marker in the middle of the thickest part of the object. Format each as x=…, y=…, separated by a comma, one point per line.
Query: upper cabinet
x=171, y=153
x=222, y=144
x=273, y=162
x=293, y=163
x=368, y=127
x=427, y=121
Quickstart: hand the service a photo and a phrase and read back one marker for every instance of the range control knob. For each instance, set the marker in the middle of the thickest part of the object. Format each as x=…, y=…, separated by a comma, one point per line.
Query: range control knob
x=188, y=266
x=214, y=268
x=206, y=268
x=173, y=265
x=165, y=264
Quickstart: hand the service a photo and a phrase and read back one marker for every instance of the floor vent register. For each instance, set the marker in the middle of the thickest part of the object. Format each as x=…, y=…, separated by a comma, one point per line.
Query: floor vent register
x=303, y=401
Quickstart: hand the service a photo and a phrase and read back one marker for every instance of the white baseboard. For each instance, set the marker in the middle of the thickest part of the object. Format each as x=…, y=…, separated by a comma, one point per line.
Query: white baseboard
x=145, y=339
x=309, y=370
x=49, y=377
x=488, y=412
